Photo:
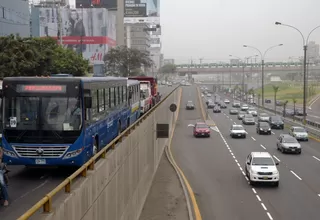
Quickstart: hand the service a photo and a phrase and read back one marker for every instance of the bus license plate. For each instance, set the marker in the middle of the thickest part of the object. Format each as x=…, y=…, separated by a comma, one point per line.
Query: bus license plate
x=40, y=161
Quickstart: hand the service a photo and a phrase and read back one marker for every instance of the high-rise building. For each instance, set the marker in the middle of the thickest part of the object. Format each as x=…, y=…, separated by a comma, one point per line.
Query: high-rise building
x=137, y=37
x=313, y=52
x=15, y=18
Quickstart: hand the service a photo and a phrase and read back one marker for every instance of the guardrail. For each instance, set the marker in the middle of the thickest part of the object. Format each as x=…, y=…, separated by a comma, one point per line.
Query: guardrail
x=46, y=202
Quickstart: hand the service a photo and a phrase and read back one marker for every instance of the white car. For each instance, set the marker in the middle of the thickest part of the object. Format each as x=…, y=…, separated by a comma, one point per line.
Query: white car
x=263, y=117
x=260, y=167
x=299, y=133
x=209, y=95
x=238, y=131
x=244, y=107
x=252, y=111
x=226, y=101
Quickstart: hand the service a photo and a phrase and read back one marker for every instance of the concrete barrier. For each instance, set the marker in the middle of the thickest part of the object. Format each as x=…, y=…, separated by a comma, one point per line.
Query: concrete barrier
x=118, y=186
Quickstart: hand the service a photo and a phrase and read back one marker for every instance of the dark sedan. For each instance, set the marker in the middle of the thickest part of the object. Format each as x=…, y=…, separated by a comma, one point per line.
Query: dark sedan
x=276, y=122
x=190, y=106
x=263, y=128
x=211, y=105
x=217, y=109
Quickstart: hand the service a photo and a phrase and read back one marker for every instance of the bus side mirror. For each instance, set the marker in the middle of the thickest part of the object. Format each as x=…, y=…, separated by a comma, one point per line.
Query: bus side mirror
x=88, y=102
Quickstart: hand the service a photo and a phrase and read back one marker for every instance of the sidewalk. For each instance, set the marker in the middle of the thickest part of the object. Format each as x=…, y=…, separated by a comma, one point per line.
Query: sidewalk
x=166, y=200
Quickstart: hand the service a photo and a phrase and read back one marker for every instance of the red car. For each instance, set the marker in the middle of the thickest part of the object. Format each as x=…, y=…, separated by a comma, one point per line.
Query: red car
x=201, y=129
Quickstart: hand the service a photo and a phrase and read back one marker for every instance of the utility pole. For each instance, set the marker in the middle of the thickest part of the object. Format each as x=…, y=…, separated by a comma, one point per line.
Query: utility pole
x=59, y=32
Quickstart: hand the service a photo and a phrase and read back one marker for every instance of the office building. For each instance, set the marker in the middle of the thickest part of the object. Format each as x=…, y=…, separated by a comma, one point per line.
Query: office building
x=136, y=36
x=168, y=61
x=14, y=18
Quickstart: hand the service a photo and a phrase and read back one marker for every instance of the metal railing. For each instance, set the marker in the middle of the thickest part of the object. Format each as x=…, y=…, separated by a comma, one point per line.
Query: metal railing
x=46, y=202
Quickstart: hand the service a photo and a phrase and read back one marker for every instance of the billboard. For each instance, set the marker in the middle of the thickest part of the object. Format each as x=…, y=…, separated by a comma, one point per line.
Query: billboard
x=155, y=41
x=133, y=15
x=90, y=31
x=96, y=3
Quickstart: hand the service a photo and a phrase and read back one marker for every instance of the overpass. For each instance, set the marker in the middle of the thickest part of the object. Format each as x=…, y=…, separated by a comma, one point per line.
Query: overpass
x=197, y=69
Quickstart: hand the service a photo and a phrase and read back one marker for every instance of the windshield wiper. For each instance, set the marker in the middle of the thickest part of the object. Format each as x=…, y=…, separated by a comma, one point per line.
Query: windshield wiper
x=21, y=135
x=56, y=134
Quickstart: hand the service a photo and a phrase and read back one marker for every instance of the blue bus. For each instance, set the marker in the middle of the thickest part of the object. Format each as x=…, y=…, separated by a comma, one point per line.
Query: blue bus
x=134, y=99
x=61, y=121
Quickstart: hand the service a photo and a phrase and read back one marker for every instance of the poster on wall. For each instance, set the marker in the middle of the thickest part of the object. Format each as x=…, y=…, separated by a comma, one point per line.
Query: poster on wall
x=133, y=15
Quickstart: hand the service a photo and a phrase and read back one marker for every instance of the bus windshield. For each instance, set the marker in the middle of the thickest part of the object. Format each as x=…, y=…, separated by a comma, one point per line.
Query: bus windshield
x=42, y=113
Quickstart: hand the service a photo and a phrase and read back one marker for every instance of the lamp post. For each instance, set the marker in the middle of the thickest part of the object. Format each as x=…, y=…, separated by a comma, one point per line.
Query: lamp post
x=262, y=66
x=305, y=48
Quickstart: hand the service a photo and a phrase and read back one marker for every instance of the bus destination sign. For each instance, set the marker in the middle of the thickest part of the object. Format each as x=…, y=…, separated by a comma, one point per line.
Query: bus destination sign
x=42, y=88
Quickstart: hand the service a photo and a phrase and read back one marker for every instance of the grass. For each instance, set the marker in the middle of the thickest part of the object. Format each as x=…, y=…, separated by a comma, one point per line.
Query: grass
x=287, y=91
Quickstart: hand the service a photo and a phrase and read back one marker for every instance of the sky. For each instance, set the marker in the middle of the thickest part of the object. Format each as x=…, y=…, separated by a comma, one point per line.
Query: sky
x=215, y=29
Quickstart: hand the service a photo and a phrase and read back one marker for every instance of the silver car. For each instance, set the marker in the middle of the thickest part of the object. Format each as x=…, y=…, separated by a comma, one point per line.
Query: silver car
x=252, y=111
x=248, y=120
x=286, y=143
x=299, y=133
x=241, y=115
x=233, y=111
x=263, y=117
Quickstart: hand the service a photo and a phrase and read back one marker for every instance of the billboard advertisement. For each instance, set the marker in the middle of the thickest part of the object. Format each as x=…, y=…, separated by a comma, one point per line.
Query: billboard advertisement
x=155, y=41
x=90, y=31
x=96, y=3
x=133, y=12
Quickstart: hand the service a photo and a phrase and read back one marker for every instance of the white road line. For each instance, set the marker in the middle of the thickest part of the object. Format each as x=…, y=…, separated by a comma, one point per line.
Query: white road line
x=264, y=207
x=247, y=178
x=238, y=164
x=295, y=175
x=236, y=161
x=254, y=191
x=272, y=132
x=276, y=158
x=243, y=173
x=316, y=158
x=232, y=154
x=253, y=138
x=231, y=119
x=234, y=123
x=258, y=197
x=262, y=146
x=269, y=215
x=319, y=195
x=234, y=157
x=241, y=168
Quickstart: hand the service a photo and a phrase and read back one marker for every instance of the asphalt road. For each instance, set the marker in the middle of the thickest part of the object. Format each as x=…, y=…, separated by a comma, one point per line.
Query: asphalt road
x=298, y=196
x=220, y=188
x=28, y=186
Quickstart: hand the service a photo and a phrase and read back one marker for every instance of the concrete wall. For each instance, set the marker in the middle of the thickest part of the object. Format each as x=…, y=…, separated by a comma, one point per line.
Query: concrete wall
x=119, y=185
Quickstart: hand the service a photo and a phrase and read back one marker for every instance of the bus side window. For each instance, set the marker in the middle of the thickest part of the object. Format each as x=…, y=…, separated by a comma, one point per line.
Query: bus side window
x=87, y=110
x=112, y=98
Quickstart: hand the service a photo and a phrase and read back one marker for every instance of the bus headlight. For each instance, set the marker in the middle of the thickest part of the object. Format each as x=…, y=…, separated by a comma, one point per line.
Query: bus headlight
x=72, y=154
x=9, y=153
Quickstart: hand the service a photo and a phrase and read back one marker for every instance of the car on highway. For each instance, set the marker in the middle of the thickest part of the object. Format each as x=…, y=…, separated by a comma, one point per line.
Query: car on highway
x=201, y=129
x=211, y=105
x=190, y=105
x=248, y=119
x=241, y=115
x=233, y=111
x=276, y=122
x=263, y=128
x=236, y=104
x=299, y=112
x=209, y=95
x=238, y=131
x=244, y=107
x=299, y=133
x=188, y=84
x=208, y=100
x=223, y=105
x=288, y=112
x=288, y=144
x=169, y=84
x=252, y=111
x=268, y=101
x=263, y=117
x=260, y=167
x=217, y=109
x=279, y=103
x=202, y=95
x=227, y=101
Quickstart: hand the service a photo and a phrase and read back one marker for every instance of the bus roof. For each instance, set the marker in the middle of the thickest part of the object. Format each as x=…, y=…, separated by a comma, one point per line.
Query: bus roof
x=69, y=79
x=133, y=82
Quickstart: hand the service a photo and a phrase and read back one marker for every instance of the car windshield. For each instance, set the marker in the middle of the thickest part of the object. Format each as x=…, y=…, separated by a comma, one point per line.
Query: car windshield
x=276, y=119
x=264, y=125
x=289, y=140
x=189, y=102
x=252, y=109
x=264, y=115
x=262, y=161
x=299, y=130
x=248, y=116
x=202, y=126
x=238, y=128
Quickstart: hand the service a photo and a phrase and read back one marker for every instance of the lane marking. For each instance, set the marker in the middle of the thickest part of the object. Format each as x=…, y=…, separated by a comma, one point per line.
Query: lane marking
x=263, y=206
x=231, y=119
x=295, y=175
x=272, y=132
x=234, y=157
x=190, y=191
x=254, y=191
x=269, y=215
x=238, y=164
x=227, y=116
x=316, y=158
x=276, y=158
x=319, y=195
x=241, y=168
x=243, y=173
x=253, y=138
x=234, y=123
x=237, y=161
x=246, y=178
x=262, y=146
x=258, y=197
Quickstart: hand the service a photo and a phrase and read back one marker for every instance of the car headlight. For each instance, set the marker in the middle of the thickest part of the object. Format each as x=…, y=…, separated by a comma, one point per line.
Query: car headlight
x=275, y=172
x=269, y=129
x=254, y=172
x=261, y=129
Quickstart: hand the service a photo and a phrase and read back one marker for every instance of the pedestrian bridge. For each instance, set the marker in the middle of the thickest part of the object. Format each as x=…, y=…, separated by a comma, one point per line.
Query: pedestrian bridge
x=197, y=69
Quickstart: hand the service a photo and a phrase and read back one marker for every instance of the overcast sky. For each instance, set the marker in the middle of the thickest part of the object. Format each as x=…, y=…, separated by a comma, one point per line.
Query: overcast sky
x=213, y=29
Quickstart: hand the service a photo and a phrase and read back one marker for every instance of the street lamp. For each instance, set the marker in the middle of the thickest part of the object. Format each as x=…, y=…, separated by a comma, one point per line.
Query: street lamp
x=262, y=66
x=305, y=48
x=244, y=61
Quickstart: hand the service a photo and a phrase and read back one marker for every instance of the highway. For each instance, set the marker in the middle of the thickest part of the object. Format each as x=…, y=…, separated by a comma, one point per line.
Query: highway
x=28, y=186
x=220, y=189
x=214, y=168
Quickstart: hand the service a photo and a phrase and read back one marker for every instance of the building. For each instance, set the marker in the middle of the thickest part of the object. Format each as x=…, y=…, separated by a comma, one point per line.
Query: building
x=15, y=18
x=137, y=37
x=235, y=61
x=168, y=61
x=313, y=52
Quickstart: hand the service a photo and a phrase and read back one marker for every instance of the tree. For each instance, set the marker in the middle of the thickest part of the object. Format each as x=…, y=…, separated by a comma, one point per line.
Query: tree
x=168, y=68
x=294, y=100
x=37, y=56
x=124, y=61
x=275, y=90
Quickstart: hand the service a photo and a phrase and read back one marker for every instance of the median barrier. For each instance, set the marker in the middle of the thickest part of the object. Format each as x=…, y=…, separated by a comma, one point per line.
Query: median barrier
x=114, y=187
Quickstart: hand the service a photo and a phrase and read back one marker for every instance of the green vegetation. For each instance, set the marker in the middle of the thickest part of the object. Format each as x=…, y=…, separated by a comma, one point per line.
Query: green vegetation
x=289, y=92
x=38, y=57
x=168, y=68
